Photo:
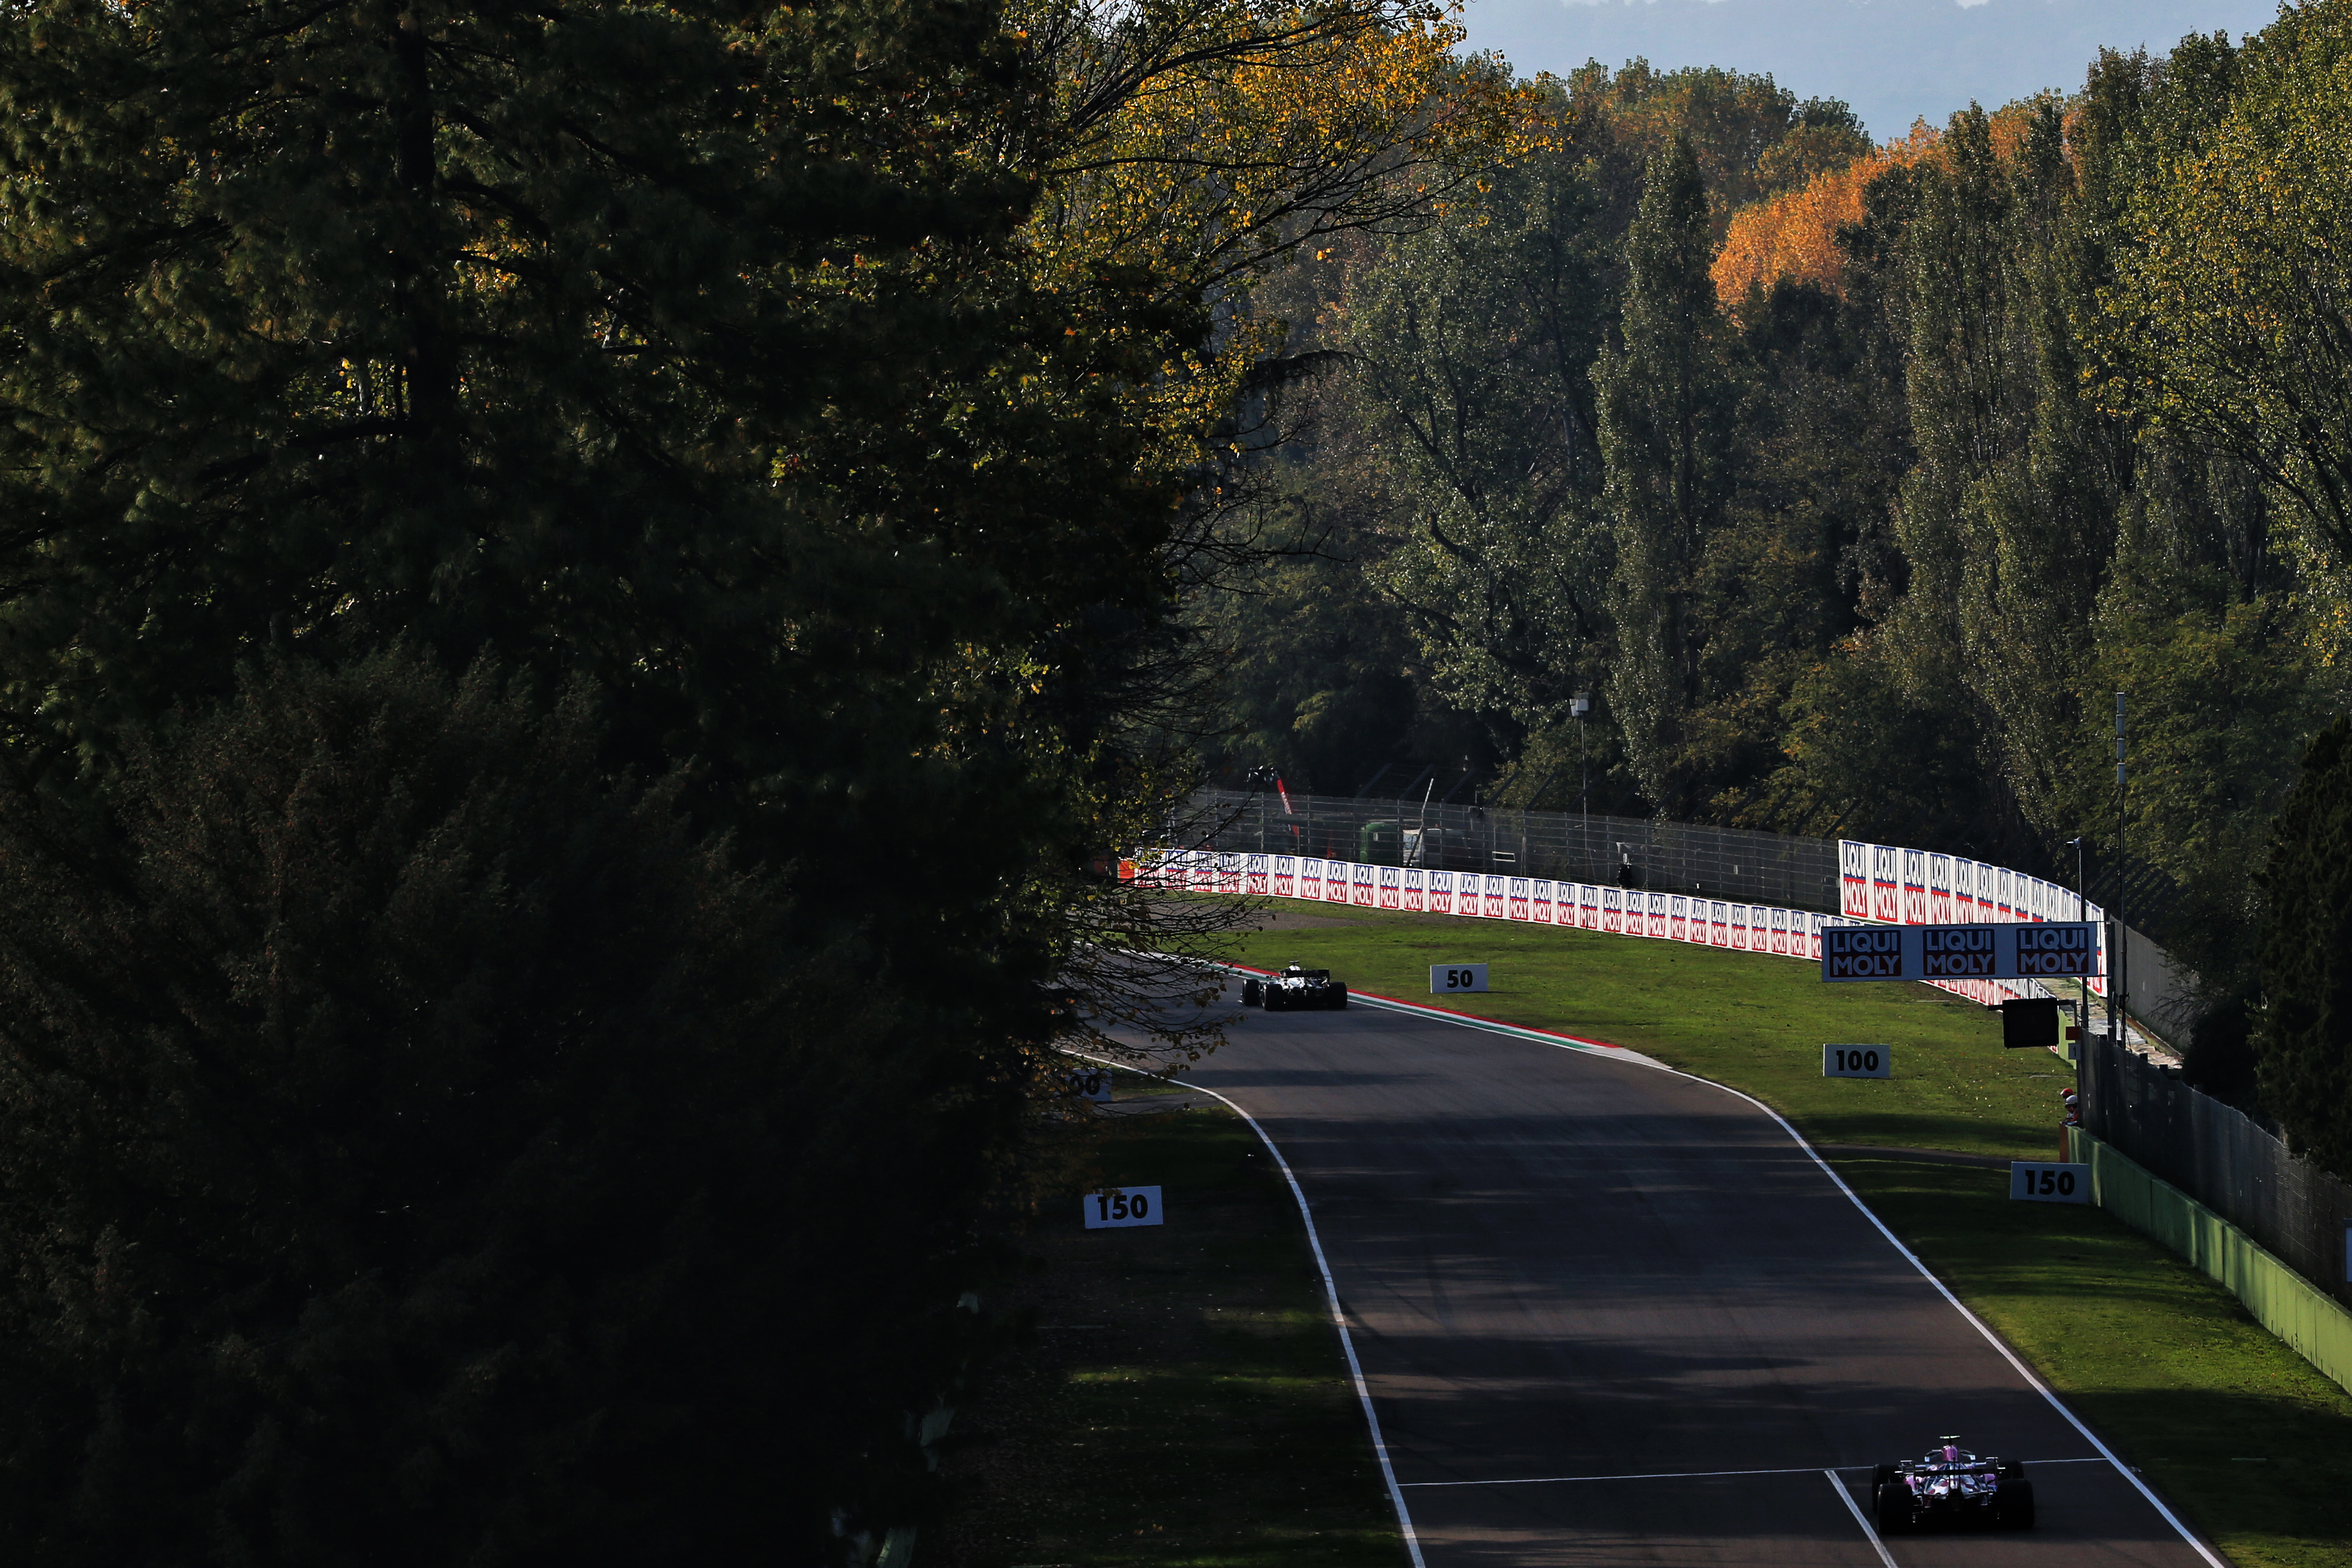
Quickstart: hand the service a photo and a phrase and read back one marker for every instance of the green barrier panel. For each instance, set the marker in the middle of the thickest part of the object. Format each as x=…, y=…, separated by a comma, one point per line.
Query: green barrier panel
x=2280, y=1300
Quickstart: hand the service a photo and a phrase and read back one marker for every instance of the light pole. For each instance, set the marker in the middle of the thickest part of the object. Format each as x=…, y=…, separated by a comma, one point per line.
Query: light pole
x=2118, y=1011
x=1580, y=706
x=2082, y=1010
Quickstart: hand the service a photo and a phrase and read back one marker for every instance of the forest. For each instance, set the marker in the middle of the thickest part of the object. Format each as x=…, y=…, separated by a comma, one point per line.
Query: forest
x=1853, y=479
x=589, y=596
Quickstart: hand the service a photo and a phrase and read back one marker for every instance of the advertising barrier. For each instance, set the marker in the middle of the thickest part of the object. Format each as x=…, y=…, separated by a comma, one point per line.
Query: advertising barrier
x=1928, y=953
x=1885, y=884
x=1987, y=967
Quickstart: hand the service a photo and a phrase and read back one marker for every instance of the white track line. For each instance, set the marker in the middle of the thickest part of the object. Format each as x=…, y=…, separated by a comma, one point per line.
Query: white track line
x=1331, y=1296
x=1690, y=1475
x=1647, y=1476
x=1861, y=1518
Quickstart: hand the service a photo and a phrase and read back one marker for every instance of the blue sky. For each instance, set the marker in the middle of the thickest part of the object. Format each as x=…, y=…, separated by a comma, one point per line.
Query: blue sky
x=1894, y=60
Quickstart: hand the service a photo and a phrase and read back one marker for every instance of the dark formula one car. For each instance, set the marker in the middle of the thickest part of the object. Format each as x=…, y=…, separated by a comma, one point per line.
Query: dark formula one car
x=1295, y=988
x=1953, y=1488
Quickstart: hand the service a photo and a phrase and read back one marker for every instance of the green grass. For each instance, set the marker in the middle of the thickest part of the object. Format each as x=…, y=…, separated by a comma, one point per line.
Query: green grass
x=1183, y=1403
x=2166, y=1366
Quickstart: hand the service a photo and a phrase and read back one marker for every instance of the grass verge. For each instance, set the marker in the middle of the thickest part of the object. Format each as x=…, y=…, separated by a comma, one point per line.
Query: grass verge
x=2239, y=1433
x=1181, y=1402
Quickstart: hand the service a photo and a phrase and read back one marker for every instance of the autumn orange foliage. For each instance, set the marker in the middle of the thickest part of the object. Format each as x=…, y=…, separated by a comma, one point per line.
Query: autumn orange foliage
x=1794, y=235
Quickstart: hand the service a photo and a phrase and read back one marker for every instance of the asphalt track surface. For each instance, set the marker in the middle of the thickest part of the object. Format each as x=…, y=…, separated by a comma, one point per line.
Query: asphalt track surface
x=1608, y=1314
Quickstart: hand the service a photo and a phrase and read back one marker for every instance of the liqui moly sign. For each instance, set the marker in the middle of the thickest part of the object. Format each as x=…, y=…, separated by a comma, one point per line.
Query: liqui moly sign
x=2054, y=950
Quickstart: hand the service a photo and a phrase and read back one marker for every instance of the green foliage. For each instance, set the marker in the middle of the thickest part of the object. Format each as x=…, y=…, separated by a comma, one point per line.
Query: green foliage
x=617, y=341
x=2229, y=312
x=1471, y=346
x=498, y=338
x=390, y=1104
x=716, y=356
x=1665, y=401
x=2305, y=1023
x=2224, y=699
x=1317, y=688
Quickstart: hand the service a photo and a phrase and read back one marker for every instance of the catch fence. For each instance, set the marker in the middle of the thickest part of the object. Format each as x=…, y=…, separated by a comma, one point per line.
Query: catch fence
x=2223, y=1158
x=1732, y=863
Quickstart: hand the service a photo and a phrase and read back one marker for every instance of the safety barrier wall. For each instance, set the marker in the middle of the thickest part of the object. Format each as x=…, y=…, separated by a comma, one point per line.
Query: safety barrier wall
x=2223, y=1158
x=1873, y=883
x=2280, y=1298
x=1539, y=901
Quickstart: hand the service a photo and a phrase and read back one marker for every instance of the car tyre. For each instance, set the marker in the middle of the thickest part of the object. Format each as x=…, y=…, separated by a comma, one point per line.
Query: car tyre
x=1253, y=993
x=2012, y=1505
x=1338, y=996
x=1892, y=1508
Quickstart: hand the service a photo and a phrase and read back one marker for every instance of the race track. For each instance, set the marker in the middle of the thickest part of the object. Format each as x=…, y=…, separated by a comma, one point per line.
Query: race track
x=1612, y=1315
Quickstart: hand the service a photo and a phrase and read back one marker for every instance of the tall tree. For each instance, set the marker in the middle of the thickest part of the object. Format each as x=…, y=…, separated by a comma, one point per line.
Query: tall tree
x=1470, y=346
x=1664, y=417
x=2231, y=317
x=2305, y=1021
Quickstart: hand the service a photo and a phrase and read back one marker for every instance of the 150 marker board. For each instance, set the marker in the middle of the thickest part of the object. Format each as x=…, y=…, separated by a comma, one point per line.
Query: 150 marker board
x=1115, y=1208
x=2035, y=1181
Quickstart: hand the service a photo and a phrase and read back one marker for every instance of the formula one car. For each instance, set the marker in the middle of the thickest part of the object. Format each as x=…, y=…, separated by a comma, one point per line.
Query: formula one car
x=1294, y=989
x=1952, y=1488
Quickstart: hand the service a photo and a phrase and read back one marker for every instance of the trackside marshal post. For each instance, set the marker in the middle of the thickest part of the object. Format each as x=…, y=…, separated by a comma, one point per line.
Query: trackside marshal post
x=2067, y=949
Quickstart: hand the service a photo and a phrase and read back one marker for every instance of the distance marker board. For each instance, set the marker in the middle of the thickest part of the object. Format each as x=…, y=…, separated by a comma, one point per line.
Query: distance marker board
x=1116, y=1208
x=2026, y=951
x=1091, y=1083
x=1456, y=977
x=2034, y=1180
x=1857, y=1061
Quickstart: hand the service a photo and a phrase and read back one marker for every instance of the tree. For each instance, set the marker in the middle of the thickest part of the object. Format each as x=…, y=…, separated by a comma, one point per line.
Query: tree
x=1664, y=417
x=1750, y=136
x=1470, y=346
x=418, y=1147
x=724, y=357
x=680, y=349
x=2229, y=318
x=2304, y=1029
x=474, y=326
